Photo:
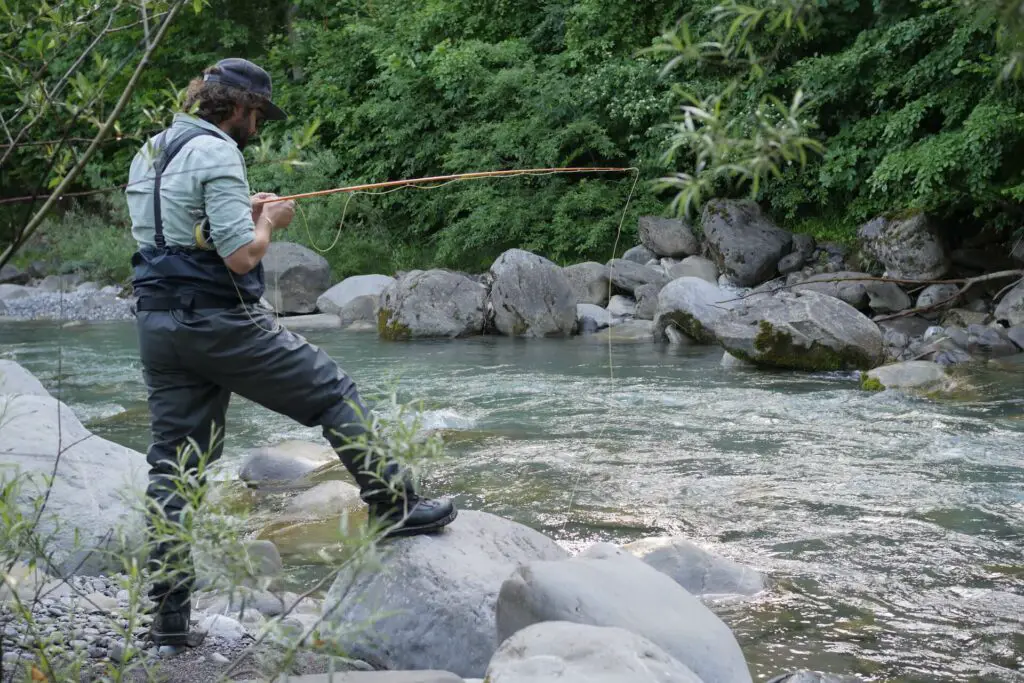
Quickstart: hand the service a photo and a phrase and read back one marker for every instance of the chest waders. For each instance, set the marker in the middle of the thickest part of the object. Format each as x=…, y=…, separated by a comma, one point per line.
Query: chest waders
x=184, y=278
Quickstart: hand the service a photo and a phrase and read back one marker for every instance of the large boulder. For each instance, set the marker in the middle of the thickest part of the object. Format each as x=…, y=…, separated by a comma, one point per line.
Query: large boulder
x=627, y=275
x=695, y=569
x=858, y=290
x=607, y=586
x=667, y=236
x=745, y=244
x=335, y=298
x=432, y=600
x=15, y=379
x=639, y=254
x=432, y=303
x=693, y=306
x=363, y=308
x=1010, y=311
x=695, y=266
x=567, y=652
x=646, y=301
x=295, y=276
x=908, y=248
x=589, y=282
x=97, y=494
x=801, y=330
x=11, y=292
x=531, y=296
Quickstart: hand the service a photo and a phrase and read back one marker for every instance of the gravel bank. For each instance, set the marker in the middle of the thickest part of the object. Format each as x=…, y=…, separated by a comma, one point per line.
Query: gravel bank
x=89, y=304
x=85, y=621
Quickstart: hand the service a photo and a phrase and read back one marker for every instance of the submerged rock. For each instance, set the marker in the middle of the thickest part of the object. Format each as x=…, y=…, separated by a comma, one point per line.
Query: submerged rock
x=695, y=569
x=284, y=462
x=431, y=303
x=918, y=376
x=438, y=595
x=800, y=330
x=745, y=244
x=567, y=652
x=531, y=296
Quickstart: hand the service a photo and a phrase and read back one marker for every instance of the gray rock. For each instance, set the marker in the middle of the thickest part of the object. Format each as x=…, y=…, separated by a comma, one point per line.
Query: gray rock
x=845, y=286
x=693, y=306
x=621, y=306
x=362, y=308
x=1016, y=335
x=627, y=276
x=1017, y=251
x=962, y=317
x=564, y=652
x=695, y=569
x=438, y=593
x=11, y=274
x=311, y=321
x=60, y=283
x=335, y=298
x=730, y=361
x=989, y=342
x=287, y=461
x=327, y=499
x=1010, y=310
x=639, y=255
x=98, y=488
x=222, y=627
x=800, y=330
x=259, y=559
x=646, y=302
x=599, y=316
x=695, y=266
x=589, y=282
x=791, y=263
x=667, y=236
x=805, y=676
x=915, y=375
x=10, y=292
x=15, y=379
x=531, y=296
x=744, y=242
x=606, y=586
x=886, y=297
x=295, y=276
x=804, y=244
x=432, y=303
x=908, y=249
x=933, y=295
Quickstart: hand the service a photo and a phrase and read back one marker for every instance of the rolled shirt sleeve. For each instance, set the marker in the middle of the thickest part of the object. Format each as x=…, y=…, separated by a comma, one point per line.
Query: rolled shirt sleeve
x=226, y=194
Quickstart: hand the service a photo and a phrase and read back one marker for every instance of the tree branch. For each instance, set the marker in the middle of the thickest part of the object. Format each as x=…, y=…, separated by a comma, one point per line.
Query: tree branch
x=108, y=125
x=968, y=283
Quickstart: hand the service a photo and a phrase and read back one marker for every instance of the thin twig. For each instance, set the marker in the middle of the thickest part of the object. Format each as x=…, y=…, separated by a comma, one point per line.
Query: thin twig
x=1004, y=290
x=968, y=283
x=108, y=125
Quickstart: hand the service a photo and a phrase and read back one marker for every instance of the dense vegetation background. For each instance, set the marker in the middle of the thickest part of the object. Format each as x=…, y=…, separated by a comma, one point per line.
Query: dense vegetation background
x=908, y=99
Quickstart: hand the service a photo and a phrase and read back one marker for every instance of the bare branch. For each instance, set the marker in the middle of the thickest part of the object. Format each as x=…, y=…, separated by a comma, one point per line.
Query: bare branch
x=968, y=283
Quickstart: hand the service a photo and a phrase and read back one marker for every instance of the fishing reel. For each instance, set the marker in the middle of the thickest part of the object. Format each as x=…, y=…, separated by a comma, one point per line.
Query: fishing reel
x=202, y=235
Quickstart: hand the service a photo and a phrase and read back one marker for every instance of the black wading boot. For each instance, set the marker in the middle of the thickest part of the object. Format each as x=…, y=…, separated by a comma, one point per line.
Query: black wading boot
x=413, y=516
x=170, y=625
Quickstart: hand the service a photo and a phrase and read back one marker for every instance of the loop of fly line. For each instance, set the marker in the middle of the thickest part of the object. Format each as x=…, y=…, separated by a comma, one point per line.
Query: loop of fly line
x=442, y=181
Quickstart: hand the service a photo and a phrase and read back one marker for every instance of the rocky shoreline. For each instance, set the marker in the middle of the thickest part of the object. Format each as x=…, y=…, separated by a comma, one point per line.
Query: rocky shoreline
x=487, y=599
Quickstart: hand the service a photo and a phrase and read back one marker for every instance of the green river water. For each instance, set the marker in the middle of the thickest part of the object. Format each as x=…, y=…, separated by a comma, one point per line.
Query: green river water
x=893, y=527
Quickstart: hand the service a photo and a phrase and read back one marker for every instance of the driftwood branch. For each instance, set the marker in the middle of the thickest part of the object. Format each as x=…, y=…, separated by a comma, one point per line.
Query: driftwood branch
x=967, y=284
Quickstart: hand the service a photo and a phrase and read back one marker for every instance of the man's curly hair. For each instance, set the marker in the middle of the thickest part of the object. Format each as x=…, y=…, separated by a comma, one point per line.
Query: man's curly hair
x=217, y=101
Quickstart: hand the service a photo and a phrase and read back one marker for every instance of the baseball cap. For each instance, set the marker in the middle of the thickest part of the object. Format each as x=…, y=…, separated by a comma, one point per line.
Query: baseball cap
x=243, y=74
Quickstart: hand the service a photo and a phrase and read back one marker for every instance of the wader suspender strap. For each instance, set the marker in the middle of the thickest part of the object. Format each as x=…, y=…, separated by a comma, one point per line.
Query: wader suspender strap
x=162, y=161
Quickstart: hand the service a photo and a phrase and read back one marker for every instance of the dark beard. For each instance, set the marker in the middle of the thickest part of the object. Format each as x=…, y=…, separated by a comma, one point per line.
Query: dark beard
x=240, y=134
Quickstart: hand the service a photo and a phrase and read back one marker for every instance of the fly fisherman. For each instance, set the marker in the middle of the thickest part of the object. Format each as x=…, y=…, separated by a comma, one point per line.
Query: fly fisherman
x=202, y=334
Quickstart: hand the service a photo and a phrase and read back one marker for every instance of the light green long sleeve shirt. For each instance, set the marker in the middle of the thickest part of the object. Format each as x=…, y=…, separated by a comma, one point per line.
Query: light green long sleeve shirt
x=207, y=178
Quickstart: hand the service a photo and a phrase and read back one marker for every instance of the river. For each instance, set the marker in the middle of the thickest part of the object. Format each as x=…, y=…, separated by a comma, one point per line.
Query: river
x=892, y=526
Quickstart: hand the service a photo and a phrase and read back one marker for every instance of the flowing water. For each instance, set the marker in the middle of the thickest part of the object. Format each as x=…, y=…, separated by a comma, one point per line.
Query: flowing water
x=893, y=527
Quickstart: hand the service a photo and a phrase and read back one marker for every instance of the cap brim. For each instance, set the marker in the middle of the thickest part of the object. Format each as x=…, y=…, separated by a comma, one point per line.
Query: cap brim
x=272, y=112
